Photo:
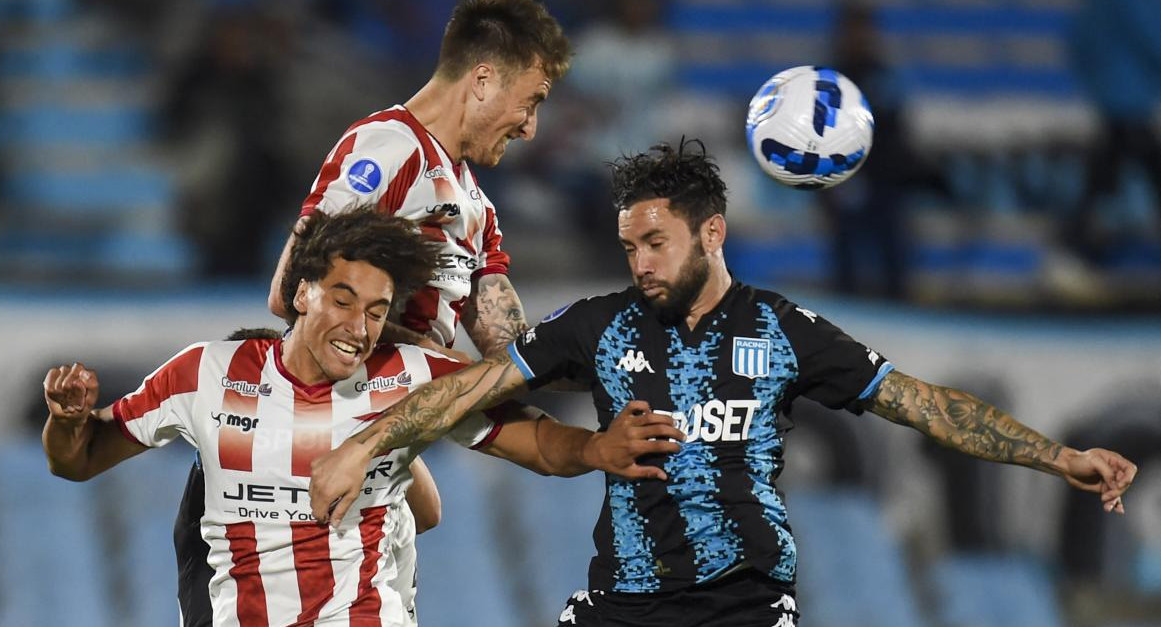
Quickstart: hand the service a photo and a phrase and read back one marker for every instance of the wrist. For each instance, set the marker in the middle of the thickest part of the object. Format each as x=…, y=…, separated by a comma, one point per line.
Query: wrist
x=589, y=455
x=1063, y=461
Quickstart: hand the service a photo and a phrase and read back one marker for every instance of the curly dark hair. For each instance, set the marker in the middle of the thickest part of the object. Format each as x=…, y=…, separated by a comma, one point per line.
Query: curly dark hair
x=687, y=176
x=391, y=244
x=514, y=34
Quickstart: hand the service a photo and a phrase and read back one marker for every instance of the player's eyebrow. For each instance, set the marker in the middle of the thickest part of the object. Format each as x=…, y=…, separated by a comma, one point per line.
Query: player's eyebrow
x=343, y=286
x=648, y=235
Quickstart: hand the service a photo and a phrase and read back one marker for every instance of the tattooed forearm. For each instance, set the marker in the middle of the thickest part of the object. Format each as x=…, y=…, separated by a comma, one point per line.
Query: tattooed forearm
x=494, y=315
x=429, y=412
x=961, y=421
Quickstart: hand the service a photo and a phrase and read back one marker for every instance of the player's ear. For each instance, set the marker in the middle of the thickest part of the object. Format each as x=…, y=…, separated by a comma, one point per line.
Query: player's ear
x=300, y=297
x=482, y=74
x=713, y=233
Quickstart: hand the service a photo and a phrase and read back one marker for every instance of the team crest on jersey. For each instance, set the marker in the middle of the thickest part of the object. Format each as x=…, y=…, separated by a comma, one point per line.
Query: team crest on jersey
x=364, y=176
x=751, y=357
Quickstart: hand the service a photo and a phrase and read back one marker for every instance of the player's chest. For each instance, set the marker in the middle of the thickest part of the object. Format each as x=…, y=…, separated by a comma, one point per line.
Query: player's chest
x=451, y=201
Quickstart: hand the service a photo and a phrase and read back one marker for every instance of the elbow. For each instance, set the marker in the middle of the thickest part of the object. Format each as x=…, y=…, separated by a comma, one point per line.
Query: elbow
x=68, y=472
x=428, y=520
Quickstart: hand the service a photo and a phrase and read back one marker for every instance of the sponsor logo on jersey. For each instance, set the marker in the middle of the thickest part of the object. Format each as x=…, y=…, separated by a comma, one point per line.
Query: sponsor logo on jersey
x=443, y=210
x=243, y=423
x=634, y=361
x=438, y=172
x=448, y=261
x=383, y=384
x=751, y=357
x=245, y=388
x=364, y=176
x=716, y=421
x=264, y=389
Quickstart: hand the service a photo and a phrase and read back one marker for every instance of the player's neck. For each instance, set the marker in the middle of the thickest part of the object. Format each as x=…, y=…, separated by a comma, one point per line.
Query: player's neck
x=440, y=107
x=711, y=294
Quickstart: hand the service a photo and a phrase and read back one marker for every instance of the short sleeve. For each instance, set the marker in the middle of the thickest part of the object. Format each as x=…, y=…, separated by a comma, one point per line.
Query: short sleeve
x=492, y=260
x=557, y=347
x=372, y=165
x=833, y=368
x=159, y=411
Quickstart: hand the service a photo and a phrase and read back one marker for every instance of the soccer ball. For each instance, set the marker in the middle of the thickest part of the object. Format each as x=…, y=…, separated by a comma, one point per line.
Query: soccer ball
x=809, y=127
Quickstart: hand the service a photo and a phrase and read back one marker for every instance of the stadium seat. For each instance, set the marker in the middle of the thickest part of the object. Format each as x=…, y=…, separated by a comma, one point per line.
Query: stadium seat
x=850, y=570
x=993, y=590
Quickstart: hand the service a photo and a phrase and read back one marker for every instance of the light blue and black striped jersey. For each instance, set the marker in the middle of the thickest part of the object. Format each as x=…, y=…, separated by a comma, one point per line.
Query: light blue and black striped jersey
x=724, y=383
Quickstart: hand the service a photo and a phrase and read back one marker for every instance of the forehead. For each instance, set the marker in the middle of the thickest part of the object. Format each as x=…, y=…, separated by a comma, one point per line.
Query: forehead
x=367, y=280
x=648, y=216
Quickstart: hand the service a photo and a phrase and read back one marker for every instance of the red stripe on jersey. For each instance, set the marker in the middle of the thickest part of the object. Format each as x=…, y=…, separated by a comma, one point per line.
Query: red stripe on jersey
x=251, y=594
x=312, y=431
x=312, y=565
x=387, y=362
x=235, y=447
x=440, y=366
x=495, y=260
x=367, y=602
x=393, y=197
x=430, y=154
x=327, y=175
x=421, y=309
x=178, y=376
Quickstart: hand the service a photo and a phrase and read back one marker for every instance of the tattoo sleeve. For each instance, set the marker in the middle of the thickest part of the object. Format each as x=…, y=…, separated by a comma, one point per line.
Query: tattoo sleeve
x=961, y=421
x=427, y=413
x=494, y=315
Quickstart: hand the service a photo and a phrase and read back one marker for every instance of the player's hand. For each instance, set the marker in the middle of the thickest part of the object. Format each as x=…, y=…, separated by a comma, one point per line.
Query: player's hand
x=71, y=393
x=336, y=479
x=1101, y=471
x=636, y=431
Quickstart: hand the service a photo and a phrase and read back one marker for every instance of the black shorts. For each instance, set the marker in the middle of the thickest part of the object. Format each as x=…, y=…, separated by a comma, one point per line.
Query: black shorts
x=746, y=598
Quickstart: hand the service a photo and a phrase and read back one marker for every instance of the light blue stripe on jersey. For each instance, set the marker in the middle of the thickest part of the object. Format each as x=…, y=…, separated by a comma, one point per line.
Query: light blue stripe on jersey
x=632, y=548
x=518, y=359
x=885, y=368
x=692, y=471
x=764, y=449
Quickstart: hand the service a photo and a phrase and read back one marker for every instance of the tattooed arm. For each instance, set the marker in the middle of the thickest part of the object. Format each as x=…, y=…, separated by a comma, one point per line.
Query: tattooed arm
x=963, y=422
x=493, y=315
x=422, y=416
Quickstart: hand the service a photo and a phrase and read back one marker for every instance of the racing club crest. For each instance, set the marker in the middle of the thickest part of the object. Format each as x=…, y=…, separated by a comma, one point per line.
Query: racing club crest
x=751, y=357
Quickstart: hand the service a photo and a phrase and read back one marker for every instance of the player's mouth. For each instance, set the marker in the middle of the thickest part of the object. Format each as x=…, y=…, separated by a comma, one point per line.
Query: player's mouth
x=345, y=349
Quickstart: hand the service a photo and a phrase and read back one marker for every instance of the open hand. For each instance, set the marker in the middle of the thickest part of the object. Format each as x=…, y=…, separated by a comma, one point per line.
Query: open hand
x=1101, y=471
x=636, y=431
x=71, y=392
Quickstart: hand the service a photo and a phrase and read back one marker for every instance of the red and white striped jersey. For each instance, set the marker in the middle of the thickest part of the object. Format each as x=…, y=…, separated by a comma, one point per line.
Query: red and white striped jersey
x=390, y=160
x=257, y=429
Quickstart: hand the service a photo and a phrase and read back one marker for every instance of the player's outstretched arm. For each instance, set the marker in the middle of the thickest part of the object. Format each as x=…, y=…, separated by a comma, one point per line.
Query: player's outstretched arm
x=493, y=314
x=538, y=442
x=78, y=441
x=963, y=422
x=422, y=416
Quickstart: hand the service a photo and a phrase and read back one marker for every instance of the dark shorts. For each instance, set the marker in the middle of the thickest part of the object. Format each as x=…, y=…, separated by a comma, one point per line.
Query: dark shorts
x=746, y=598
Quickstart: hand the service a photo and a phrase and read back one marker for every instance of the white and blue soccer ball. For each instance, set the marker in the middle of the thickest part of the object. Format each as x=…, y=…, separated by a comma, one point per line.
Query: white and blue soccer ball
x=809, y=127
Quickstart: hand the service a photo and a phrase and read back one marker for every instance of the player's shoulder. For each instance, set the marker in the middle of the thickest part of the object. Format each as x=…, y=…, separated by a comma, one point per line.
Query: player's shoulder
x=389, y=127
x=595, y=307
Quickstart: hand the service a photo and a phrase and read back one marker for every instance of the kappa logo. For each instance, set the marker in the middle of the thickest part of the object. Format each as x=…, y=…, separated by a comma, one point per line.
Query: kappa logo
x=634, y=361
x=530, y=335
x=810, y=315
